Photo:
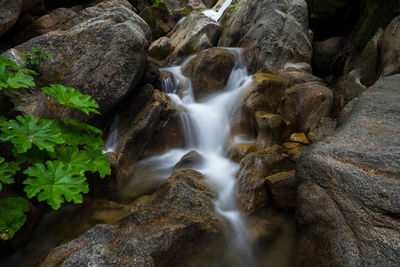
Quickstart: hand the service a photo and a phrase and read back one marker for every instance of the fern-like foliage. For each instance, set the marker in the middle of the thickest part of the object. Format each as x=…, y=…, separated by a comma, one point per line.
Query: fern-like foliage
x=12, y=216
x=72, y=98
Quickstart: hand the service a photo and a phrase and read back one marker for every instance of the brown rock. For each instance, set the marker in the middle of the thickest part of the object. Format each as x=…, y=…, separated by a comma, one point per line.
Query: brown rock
x=299, y=138
x=161, y=48
x=269, y=128
x=252, y=193
x=160, y=229
x=265, y=93
x=283, y=188
x=290, y=145
x=295, y=153
x=305, y=104
x=191, y=159
x=159, y=19
x=209, y=71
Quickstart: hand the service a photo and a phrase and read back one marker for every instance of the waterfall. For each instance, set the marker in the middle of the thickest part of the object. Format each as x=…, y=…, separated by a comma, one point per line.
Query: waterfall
x=206, y=127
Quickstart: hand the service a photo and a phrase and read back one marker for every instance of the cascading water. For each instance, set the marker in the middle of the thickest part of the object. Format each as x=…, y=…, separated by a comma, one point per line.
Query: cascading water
x=216, y=15
x=206, y=128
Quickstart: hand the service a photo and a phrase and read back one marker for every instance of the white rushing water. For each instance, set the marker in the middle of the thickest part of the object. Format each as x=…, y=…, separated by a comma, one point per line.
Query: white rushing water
x=216, y=15
x=206, y=127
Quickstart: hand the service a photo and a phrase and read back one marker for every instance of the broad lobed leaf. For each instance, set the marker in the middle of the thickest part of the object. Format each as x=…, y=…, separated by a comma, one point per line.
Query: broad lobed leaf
x=7, y=171
x=12, y=216
x=55, y=182
x=27, y=130
x=72, y=98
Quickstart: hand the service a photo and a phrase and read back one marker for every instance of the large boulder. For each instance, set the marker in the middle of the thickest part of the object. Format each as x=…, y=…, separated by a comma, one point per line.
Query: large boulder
x=209, y=71
x=9, y=13
x=348, y=186
x=160, y=229
x=101, y=52
x=390, y=62
x=274, y=33
x=191, y=35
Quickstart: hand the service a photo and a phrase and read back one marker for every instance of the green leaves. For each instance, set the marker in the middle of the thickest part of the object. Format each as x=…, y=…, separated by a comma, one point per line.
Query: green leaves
x=7, y=171
x=39, y=55
x=56, y=154
x=28, y=130
x=70, y=97
x=12, y=216
x=14, y=76
x=55, y=183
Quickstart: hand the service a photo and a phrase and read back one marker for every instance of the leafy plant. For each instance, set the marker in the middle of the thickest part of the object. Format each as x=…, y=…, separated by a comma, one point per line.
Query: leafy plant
x=12, y=216
x=14, y=76
x=232, y=8
x=53, y=155
x=38, y=56
x=55, y=181
x=72, y=98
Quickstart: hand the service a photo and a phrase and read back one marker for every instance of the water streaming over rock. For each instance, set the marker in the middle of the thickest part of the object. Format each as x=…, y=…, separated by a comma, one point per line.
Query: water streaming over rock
x=206, y=127
x=216, y=15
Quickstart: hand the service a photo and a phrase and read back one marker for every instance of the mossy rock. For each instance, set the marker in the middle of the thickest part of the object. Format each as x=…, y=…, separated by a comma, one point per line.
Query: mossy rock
x=159, y=18
x=376, y=14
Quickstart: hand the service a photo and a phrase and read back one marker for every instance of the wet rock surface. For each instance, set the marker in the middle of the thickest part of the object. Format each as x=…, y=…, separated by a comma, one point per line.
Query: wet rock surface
x=209, y=71
x=158, y=231
x=348, y=186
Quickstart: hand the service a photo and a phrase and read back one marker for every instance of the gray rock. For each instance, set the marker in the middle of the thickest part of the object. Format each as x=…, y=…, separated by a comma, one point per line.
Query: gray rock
x=274, y=32
x=305, y=104
x=9, y=13
x=348, y=201
x=190, y=33
x=390, y=62
x=252, y=183
x=101, y=52
x=159, y=230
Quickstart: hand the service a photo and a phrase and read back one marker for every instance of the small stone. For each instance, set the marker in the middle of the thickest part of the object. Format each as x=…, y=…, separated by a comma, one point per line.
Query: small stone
x=299, y=138
x=290, y=145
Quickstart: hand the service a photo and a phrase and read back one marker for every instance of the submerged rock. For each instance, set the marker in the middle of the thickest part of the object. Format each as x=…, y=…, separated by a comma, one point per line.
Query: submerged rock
x=101, y=52
x=191, y=159
x=160, y=229
x=209, y=71
x=348, y=186
x=274, y=32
